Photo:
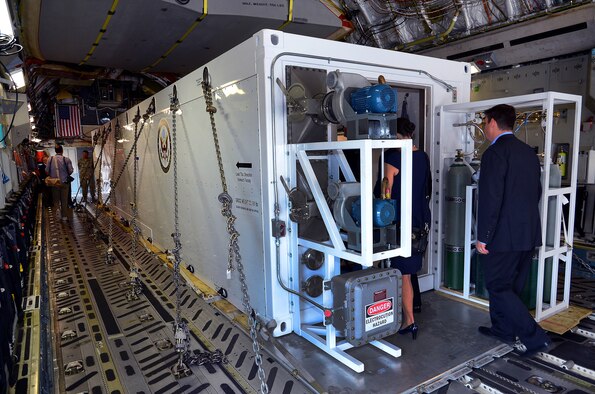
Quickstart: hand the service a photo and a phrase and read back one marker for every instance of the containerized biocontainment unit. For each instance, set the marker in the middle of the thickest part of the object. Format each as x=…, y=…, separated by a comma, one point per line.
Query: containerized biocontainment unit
x=288, y=144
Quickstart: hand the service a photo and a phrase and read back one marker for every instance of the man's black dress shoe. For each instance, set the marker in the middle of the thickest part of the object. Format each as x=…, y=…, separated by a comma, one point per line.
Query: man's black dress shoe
x=487, y=331
x=544, y=347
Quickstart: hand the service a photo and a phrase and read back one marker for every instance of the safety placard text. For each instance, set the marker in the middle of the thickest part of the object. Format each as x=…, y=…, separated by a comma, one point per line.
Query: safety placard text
x=379, y=314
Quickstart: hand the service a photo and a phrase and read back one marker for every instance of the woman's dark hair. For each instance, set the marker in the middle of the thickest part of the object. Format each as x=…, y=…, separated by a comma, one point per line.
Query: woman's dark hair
x=503, y=114
x=405, y=127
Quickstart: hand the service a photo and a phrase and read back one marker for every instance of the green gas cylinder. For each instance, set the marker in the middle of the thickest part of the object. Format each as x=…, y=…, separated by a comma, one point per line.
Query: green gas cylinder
x=529, y=293
x=457, y=179
x=475, y=163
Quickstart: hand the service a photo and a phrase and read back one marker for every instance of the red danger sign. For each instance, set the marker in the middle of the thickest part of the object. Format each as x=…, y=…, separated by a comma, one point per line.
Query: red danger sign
x=379, y=314
x=379, y=307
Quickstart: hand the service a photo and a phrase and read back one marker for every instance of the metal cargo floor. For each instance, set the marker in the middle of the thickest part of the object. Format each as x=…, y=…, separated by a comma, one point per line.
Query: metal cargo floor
x=447, y=337
x=118, y=350
x=116, y=345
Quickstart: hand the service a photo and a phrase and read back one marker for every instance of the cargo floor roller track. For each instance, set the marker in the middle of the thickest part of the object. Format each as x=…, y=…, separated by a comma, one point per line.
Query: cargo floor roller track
x=116, y=341
x=114, y=345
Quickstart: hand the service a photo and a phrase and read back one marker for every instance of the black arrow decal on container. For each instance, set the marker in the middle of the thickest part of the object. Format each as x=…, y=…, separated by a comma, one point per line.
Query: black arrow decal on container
x=243, y=165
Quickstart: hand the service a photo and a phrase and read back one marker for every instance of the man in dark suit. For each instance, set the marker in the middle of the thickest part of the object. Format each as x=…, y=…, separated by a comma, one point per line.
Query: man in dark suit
x=509, y=228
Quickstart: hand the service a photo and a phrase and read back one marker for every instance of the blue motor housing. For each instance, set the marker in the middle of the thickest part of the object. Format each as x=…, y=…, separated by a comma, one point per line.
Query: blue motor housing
x=384, y=212
x=377, y=99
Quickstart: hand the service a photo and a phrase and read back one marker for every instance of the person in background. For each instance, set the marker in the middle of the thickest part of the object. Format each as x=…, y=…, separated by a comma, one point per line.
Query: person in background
x=420, y=213
x=42, y=170
x=61, y=167
x=86, y=176
x=509, y=228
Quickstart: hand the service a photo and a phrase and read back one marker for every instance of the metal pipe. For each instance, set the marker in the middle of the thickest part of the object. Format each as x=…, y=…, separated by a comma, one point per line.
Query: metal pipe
x=425, y=17
x=439, y=37
x=465, y=16
x=289, y=290
x=510, y=10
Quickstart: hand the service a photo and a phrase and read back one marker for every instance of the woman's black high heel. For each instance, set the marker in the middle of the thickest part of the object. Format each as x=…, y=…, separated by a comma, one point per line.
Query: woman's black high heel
x=412, y=328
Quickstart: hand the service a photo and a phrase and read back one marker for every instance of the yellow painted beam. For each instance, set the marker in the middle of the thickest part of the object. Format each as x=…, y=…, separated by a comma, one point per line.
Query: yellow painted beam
x=289, y=16
x=102, y=31
x=205, y=11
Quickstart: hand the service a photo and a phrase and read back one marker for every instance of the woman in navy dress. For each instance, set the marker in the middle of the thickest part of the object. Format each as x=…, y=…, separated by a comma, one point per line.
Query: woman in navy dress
x=420, y=212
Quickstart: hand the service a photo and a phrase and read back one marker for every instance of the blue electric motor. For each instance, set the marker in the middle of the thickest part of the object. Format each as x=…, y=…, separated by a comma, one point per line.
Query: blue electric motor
x=384, y=212
x=378, y=99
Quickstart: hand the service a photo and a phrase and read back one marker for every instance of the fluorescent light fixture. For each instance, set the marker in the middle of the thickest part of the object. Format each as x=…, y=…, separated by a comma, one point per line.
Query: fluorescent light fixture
x=473, y=68
x=232, y=89
x=5, y=22
x=18, y=77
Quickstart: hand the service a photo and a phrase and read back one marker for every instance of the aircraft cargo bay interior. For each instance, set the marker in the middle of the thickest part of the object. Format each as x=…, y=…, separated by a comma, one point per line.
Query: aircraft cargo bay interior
x=314, y=196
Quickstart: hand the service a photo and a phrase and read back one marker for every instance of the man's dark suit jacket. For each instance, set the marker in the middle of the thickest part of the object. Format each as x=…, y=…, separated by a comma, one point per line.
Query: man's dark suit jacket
x=509, y=193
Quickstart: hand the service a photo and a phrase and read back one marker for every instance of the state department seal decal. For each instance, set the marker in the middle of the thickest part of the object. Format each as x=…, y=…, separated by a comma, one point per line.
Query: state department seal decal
x=164, y=149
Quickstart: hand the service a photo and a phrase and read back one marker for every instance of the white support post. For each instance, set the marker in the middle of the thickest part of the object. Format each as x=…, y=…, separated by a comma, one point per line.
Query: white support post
x=548, y=107
x=468, y=242
x=336, y=351
x=573, y=180
x=366, y=225
x=326, y=339
x=406, y=196
x=387, y=347
x=293, y=267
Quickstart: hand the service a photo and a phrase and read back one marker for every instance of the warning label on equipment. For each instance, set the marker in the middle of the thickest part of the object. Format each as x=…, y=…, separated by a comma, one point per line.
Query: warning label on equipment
x=247, y=205
x=263, y=3
x=379, y=314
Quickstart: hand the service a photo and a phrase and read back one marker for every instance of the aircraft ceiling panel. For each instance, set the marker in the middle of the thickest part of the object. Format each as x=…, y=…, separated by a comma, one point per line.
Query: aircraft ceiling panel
x=141, y=34
x=211, y=38
x=67, y=29
x=141, y=31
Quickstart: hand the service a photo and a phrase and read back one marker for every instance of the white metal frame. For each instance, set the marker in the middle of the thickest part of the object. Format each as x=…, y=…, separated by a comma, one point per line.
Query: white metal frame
x=336, y=246
x=458, y=113
x=326, y=337
x=470, y=239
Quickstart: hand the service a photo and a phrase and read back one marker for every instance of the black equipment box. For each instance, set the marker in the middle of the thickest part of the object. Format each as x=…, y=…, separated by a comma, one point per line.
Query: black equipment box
x=367, y=304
